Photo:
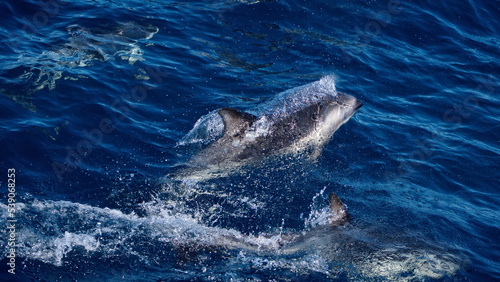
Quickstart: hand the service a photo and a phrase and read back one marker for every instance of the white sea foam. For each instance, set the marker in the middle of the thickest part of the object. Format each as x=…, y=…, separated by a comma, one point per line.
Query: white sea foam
x=54, y=229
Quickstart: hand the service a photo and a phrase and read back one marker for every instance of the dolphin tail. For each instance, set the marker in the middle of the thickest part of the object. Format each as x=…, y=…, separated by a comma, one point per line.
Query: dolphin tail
x=339, y=211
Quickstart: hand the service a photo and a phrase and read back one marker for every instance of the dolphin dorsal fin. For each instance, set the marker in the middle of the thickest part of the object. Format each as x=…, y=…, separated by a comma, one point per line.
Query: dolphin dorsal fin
x=235, y=122
x=339, y=210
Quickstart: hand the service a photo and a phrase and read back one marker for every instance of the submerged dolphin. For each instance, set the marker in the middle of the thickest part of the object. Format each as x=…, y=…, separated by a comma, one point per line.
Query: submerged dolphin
x=302, y=117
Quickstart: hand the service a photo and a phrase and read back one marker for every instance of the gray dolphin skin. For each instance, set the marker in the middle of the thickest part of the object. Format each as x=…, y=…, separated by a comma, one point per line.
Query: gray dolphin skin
x=296, y=123
x=302, y=118
x=306, y=116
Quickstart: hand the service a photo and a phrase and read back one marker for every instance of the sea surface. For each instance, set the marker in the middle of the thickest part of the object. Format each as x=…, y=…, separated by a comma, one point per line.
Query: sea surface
x=96, y=99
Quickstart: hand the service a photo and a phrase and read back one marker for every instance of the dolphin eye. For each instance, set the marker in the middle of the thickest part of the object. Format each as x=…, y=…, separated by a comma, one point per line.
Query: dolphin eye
x=315, y=115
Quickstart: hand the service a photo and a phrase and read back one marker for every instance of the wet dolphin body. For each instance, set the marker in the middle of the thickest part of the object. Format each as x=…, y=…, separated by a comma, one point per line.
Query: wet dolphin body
x=286, y=243
x=302, y=117
x=296, y=119
x=305, y=116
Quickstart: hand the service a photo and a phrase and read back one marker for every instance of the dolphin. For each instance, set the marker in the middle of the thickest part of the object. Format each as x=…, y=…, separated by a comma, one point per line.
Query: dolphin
x=300, y=118
x=286, y=243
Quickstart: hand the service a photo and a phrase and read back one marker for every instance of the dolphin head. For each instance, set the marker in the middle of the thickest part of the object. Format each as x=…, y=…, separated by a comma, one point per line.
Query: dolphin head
x=335, y=111
x=344, y=104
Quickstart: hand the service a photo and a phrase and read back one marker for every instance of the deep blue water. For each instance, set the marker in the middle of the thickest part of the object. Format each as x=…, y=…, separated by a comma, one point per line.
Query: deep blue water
x=96, y=95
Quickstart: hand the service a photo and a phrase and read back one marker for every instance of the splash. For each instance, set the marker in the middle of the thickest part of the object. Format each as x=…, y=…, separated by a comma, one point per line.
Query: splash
x=206, y=129
x=62, y=232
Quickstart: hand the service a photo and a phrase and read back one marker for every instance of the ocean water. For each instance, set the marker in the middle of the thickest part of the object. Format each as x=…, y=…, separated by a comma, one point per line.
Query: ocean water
x=97, y=98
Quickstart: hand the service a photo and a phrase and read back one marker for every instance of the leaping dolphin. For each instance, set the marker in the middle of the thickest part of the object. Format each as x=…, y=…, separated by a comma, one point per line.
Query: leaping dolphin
x=302, y=117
